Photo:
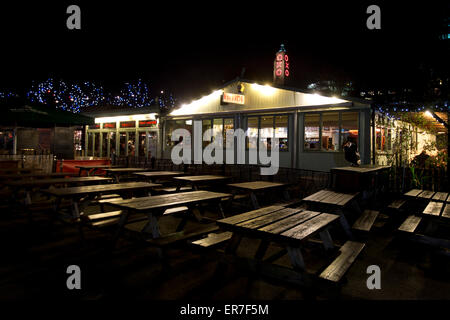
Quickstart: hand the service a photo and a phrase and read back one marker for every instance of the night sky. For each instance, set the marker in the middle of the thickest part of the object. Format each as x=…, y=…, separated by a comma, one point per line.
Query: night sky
x=190, y=48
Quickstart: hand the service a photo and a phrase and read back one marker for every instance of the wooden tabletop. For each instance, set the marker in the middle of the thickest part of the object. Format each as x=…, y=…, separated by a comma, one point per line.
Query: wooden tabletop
x=256, y=185
x=101, y=166
x=168, y=200
x=37, y=175
x=159, y=174
x=103, y=188
x=440, y=196
x=202, y=178
x=362, y=169
x=421, y=194
x=434, y=208
x=413, y=193
x=124, y=170
x=278, y=223
x=331, y=197
x=44, y=182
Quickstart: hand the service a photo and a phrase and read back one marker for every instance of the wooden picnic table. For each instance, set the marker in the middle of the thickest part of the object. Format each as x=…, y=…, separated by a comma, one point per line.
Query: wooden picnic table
x=366, y=178
x=155, y=206
x=29, y=184
x=333, y=201
x=81, y=197
x=36, y=175
x=289, y=228
x=19, y=170
x=90, y=170
x=254, y=187
x=155, y=175
x=117, y=172
x=197, y=181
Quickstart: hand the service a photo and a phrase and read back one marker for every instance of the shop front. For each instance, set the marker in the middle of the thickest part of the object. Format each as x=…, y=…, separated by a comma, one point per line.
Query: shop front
x=123, y=134
x=309, y=129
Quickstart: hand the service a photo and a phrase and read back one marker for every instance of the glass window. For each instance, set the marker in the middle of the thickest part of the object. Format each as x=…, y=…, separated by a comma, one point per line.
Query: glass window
x=90, y=144
x=312, y=125
x=142, y=144
x=380, y=138
x=266, y=131
x=228, y=130
x=330, y=131
x=217, y=128
x=206, y=125
x=104, y=144
x=112, y=143
x=252, y=132
x=349, y=126
x=152, y=143
x=131, y=143
x=123, y=144
x=281, y=131
x=172, y=125
x=97, y=144
x=389, y=139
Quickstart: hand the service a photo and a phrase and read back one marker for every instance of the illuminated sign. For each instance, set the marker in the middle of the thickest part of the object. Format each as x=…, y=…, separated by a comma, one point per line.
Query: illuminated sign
x=281, y=66
x=147, y=123
x=233, y=98
x=128, y=124
x=94, y=126
x=110, y=125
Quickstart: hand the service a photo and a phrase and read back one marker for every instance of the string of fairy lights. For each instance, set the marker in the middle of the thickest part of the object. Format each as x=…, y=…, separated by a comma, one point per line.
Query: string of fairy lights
x=75, y=95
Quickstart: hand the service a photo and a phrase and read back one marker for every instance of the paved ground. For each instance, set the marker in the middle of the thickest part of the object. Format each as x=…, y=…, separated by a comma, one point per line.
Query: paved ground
x=35, y=257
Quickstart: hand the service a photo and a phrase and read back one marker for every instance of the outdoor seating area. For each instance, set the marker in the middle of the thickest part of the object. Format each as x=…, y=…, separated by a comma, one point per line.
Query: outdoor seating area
x=204, y=231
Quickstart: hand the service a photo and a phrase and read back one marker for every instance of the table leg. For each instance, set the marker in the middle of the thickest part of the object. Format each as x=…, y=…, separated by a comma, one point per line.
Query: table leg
x=326, y=239
x=122, y=221
x=152, y=226
x=296, y=257
x=261, y=251
x=254, y=200
x=345, y=225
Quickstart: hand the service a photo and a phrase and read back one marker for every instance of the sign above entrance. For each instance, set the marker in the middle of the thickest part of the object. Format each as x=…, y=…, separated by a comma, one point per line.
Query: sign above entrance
x=233, y=98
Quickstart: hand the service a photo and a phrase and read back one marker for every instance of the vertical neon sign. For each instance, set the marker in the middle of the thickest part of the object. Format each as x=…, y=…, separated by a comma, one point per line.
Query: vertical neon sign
x=281, y=66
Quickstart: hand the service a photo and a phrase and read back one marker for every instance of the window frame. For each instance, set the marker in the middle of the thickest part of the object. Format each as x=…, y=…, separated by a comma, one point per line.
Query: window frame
x=340, y=126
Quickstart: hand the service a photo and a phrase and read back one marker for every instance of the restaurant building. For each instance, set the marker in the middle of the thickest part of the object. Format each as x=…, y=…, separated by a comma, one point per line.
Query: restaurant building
x=123, y=132
x=311, y=128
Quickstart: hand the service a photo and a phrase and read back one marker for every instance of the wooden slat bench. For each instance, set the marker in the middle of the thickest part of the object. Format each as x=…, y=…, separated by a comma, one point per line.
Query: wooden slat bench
x=446, y=212
x=410, y=224
x=213, y=239
x=180, y=236
x=366, y=220
x=397, y=204
x=339, y=267
x=173, y=189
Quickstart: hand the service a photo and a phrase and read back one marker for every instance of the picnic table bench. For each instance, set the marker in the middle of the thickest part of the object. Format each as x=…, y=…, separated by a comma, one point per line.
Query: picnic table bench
x=81, y=197
x=255, y=187
x=436, y=213
x=116, y=173
x=289, y=228
x=29, y=184
x=36, y=175
x=153, y=176
x=197, y=181
x=337, y=202
x=91, y=169
x=368, y=179
x=155, y=207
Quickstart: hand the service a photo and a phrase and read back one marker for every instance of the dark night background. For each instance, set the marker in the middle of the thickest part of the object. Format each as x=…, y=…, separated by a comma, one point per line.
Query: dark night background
x=191, y=48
